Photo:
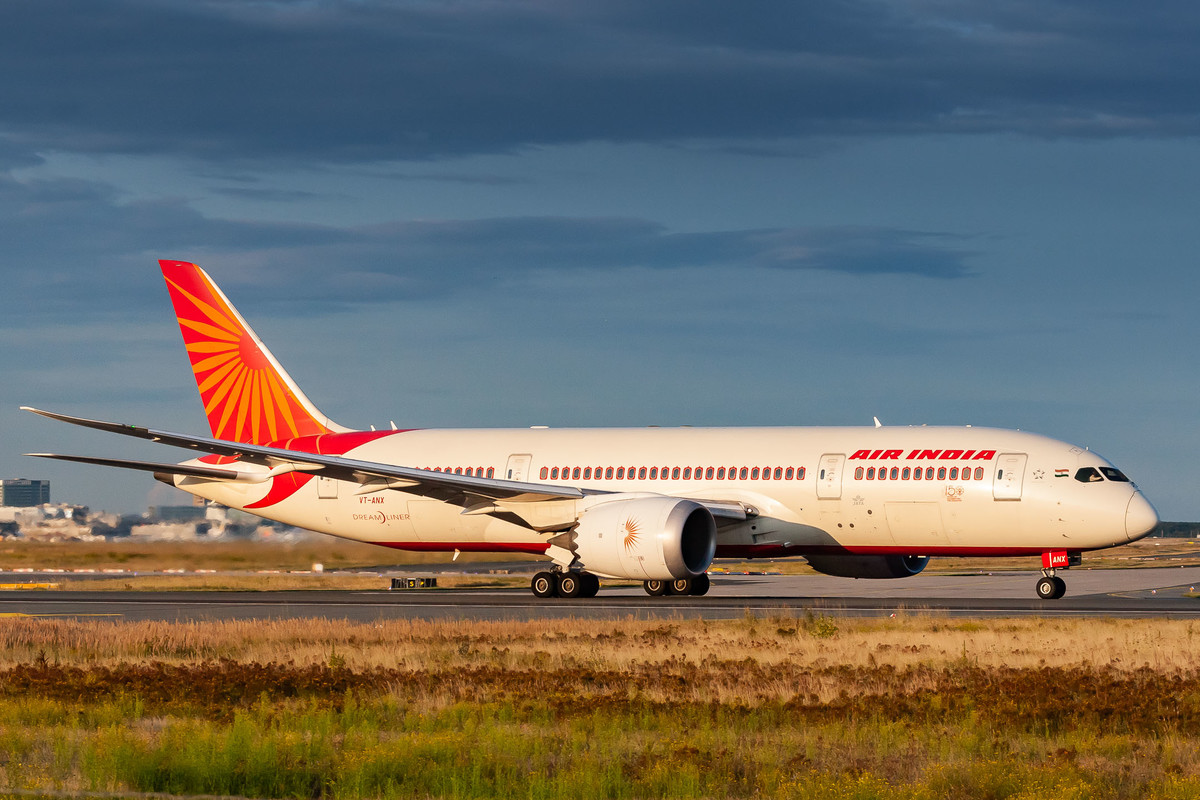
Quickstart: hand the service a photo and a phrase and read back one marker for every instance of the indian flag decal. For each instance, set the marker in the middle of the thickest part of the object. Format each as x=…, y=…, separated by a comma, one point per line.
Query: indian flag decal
x=1061, y=473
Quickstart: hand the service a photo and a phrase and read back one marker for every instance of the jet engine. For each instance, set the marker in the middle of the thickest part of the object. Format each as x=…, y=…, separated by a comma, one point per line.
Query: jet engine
x=646, y=538
x=853, y=566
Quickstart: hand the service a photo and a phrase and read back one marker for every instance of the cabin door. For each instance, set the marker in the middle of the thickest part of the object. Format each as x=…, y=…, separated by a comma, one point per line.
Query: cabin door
x=829, y=476
x=1010, y=474
x=518, y=467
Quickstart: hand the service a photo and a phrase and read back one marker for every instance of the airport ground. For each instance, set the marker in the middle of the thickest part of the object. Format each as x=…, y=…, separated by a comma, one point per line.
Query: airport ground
x=797, y=685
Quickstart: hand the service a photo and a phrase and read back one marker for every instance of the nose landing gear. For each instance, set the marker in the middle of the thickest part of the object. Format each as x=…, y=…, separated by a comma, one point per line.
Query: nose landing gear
x=1050, y=586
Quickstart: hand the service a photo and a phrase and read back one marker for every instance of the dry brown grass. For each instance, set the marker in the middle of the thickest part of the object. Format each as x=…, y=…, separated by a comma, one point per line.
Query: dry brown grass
x=131, y=554
x=920, y=707
x=797, y=642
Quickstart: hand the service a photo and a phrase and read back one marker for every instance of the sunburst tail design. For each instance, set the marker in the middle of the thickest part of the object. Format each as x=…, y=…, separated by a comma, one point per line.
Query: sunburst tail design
x=247, y=395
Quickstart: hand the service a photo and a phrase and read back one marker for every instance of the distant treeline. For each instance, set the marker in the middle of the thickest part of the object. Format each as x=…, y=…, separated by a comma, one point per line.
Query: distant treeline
x=1178, y=530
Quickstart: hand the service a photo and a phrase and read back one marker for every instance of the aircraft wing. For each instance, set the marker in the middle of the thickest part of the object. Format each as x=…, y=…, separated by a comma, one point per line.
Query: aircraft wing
x=459, y=489
x=474, y=494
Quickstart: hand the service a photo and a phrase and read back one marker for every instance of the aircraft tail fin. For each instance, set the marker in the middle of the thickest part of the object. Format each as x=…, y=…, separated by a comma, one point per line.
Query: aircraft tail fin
x=247, y=395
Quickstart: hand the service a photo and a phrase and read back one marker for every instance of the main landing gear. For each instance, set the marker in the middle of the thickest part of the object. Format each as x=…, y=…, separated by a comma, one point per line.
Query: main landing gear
x=585, y=584
x=694, y=586
x=565, y=584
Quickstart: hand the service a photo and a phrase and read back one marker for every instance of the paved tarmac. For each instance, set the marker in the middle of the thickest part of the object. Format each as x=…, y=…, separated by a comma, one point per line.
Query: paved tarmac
x=1151, y=592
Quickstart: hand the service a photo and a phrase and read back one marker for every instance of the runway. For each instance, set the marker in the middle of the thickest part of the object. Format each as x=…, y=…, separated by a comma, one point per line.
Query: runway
x=1154, y=592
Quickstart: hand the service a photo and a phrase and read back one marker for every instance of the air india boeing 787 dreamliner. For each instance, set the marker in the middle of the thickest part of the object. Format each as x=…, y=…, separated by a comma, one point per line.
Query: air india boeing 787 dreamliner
x=650, y=504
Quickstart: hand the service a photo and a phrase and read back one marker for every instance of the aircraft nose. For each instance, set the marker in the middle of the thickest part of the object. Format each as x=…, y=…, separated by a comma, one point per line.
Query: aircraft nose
x=1140, y=517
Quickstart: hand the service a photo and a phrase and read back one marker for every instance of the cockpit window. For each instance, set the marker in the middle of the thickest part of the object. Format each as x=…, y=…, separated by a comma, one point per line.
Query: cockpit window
x=1088, y=475
x=1114, y=474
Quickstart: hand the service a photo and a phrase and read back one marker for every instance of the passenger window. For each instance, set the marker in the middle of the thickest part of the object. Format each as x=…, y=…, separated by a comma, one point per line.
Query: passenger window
x=491, y=471
x=687, y=473
x=732, y=473
x=587, y=473
x=641, y=473
x=721, y=473
x=917, y=473
x=754, y=474
x=787, y=476
x=858, y=473
x=662, y=473
x=941, y=473
x=545, y=473
x=608, y=473
x=966, y=473
x=575, y=473
x=870, y=473
x=979, y=473
x=1114, y=474
x=708, y=474
x=929, y=473
x=620, y=473
x=883, y=473
x=895, y=473
x=779, y=473
x=653, y=473
x=745, y=471
x=800, y=474
x=954, y=473
x=675, y=473
x=904, y=474
x=630, y=474
x=1088, y=475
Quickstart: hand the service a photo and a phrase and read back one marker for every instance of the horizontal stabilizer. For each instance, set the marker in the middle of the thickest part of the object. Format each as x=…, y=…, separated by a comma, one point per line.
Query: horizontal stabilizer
x=211, y=473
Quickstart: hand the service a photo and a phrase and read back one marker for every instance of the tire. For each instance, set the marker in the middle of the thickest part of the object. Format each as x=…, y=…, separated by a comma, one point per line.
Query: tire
x=680, y=586
x=591, y=584
x=700, y=585
x=655, y=588
x=569, y=584
x=544, y=585
x=1047, y=589
x=1060, y=587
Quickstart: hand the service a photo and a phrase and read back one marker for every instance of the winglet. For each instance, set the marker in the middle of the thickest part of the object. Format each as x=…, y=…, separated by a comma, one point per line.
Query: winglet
x=247, y=395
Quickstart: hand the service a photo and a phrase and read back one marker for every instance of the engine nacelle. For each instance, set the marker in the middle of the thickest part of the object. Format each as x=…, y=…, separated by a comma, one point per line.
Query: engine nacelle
x=852, y=566
x=646, y=538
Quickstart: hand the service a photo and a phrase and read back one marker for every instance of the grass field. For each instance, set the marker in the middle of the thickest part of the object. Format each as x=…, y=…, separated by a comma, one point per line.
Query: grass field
x=911, y=707
x=341, y=555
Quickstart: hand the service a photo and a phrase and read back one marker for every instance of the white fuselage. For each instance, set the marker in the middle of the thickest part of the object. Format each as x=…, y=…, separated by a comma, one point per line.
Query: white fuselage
x=979, y=491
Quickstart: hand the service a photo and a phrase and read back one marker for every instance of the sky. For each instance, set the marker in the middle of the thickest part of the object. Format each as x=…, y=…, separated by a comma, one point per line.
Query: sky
x=495, y=214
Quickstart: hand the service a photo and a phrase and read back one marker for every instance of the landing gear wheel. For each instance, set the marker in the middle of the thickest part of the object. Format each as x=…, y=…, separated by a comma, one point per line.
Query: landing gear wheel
x=544, y=585
x=680, y=586
x=655, y=588
x=569, y=584
x=1051, y=588
x=700, y=585
x=591, y=584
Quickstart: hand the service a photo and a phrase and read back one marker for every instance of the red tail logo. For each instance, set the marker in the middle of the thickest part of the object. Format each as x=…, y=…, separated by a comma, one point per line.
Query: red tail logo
x=246, y=394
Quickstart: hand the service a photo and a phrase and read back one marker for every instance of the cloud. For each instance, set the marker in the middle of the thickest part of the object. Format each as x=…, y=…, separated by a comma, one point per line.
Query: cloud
x=112, y=241
x=366, y=81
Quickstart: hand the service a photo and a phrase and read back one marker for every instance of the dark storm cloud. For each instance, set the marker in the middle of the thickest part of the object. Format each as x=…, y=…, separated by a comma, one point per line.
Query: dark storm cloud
x=373, y=80
x=109, y=255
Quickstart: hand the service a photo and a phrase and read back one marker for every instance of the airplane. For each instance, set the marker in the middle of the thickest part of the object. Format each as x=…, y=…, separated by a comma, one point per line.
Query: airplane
x=654, y=505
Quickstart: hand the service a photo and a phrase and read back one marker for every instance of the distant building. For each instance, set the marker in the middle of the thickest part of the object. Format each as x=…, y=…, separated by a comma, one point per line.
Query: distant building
x=171, y=514
x=24, y=492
